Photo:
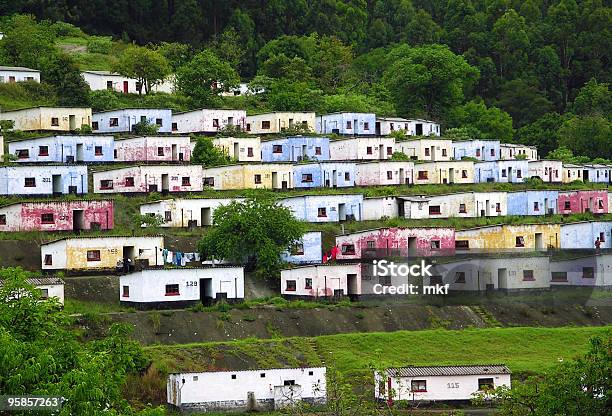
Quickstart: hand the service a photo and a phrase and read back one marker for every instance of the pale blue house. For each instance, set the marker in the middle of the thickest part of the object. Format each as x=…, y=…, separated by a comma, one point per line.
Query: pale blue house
x=353, y=124
x=64, y=149
x=325, y=208
x=123, y=120
x=307, y=250
x=295, y=149
x=485, y=150
x=533, y=202
x=582, y=235
x=45, y=180
x=329, y=174
x=503, y=171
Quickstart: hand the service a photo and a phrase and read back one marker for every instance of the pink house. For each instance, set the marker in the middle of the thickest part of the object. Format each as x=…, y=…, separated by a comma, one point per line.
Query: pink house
x=57, y=216
x=575, y=202
x=153, y=149
x=430, y=241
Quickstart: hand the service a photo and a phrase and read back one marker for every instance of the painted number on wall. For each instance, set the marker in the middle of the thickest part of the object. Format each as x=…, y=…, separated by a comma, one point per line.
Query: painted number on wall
x=47, y=180
x=452, y=385
x=113, y=250
x=195, y=283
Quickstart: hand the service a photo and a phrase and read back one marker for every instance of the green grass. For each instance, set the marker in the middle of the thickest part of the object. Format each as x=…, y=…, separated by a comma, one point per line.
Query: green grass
x=524, y=350
x=74, y=306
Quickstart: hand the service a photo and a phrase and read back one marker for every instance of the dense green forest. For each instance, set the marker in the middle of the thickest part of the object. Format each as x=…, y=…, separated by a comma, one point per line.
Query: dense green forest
x=532, y=71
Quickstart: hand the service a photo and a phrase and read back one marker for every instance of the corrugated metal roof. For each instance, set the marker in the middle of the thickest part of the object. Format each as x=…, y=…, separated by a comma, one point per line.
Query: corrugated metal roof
x=448, y=370
x=17, y=68
x=40, y=281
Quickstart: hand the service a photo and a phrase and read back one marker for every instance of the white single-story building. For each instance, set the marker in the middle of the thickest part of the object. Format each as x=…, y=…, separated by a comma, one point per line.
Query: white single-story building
x=153, y=149
x=583, y=270
x=243, y=149
x=430, y=149
x=49, y=287
x=511, y=151
x=321, y=280
x=106, y=80
x=48, y=118
x=439, y=383
x=250, y=390
x=379, y=207
x=18, y=74
x=185, y=212
x=63, y=149
x=307, y=250
x=181, y=287
x=410, y=127
x=43, y=180
x=384, y=172
x=362, y=148
x=280, y=121
x=149, y=178
x=207, y=120
x=549, y=171
x=325, y=208
x=123, y=120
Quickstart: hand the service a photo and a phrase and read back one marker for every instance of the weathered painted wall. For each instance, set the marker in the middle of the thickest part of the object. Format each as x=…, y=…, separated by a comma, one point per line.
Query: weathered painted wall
x=460, y=171
x=294, y=149
x=346, y=123
x=384, y=173
x=27, y=216
x=153, y=149
x=599, y=173
x=512, y=237
x=548, y=170
x=325, y=208
x=575, y=202
x=311, y=243
x=18, y=74
x=151, y=178
x=376, y=208
x=408, y=241
x=583, y=234
x=384, y=126
x=64, y=149
x=251, y=176
x=583, y=271
x=179, y=212
x=71, y=253
x=426, y=149
x=324, y=174
x=248, y=148
x=49, y=118
x=207, y=120
x=324, y=280
x=121, y=121
x=571, y=173
x=277, y=122
x=449, y=205
x=47, y=180
x=486, y=150
x=510, y=151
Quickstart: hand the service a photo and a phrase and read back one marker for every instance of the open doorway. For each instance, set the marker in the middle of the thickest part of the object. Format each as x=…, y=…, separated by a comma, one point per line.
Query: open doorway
x=165, y=182
x=274, y=180
x=57, y=184
x=451, y=175
x=487, y=208
x=418, y=129
x=206, y=216
x=502, y=278
x=585, y=175
x=236, y=150
x=412, y=246
x=128, y=258
x=539, y=241
x=79, y=153
x=174, y=153
x=342, y=212
x=72, y=122
x=206, y=291
x=378, y=128
x=77, y=220
x=352, y=286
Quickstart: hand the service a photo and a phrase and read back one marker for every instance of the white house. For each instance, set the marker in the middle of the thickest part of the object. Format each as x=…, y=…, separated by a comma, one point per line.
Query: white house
x=181, y=287
x=185, y=212
x=549, y=171
x=123, y=120
x=149, y=178
x=207, y=120
x=43, y=180
x=426, y=149
x=387, y=172
x=243, y=149
x=1, y=148
x=106, y=80
x=410, y=127
x=439, y=383
x=346, y=124
x=101, y=253
x=279, y=121
x=321, y=280
x=584, y=270
x=379, y=207
x=362, y=148
x=484, y=150
x=511, y=151
x=63, y=149
x=325, y=208
x=49, y=287
x=250, y=390
x=18, y=74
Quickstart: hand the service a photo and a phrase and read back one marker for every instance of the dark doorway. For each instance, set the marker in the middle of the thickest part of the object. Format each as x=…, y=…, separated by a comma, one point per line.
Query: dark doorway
x=206, y=291
x=77, y=220
x=418, y=129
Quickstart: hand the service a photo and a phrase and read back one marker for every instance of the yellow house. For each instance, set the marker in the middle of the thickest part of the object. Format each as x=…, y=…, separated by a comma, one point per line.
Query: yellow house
x=452, y=171
x=509, y=237
x=48, y=118
x=243, y=149
x=572, y=173
x=279, y=121
x=249, y=176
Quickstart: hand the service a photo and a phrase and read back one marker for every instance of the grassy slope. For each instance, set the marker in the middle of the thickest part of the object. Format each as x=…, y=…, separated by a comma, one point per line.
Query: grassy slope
x=524, y=350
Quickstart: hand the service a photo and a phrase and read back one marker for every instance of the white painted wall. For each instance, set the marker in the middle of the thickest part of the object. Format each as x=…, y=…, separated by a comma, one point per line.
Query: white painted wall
x=18, y=74
x=150, y=285
x=384, y=173
x=184, y=210
x=219, y=386
x=376, y=208
x=207, y=120
x=325, y=279
x=362, y=148
x=279, y=121
x=249, y=149
x=438, y=149
x=128, y=117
